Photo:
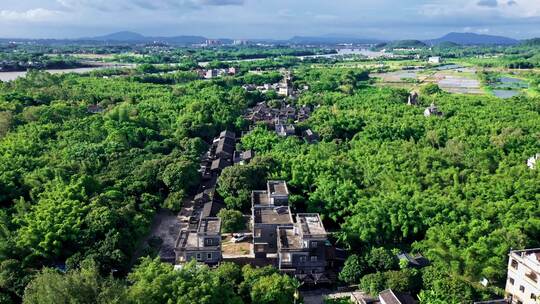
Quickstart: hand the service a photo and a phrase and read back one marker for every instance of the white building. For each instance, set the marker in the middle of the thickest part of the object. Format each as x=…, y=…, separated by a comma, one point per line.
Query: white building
x=240, y=42
x=212, y=73
x=435, y=60
x=285, y=88
x=432, y=110
x=522, y=285
x=531, y=162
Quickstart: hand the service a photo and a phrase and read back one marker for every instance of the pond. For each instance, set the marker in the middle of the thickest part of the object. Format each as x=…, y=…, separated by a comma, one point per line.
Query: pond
x=509, y=82
x=504, y=94
x=448, y=67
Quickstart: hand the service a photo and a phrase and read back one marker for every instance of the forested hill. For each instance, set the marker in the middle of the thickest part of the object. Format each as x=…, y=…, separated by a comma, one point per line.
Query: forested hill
x=473, y=39
x=85, y=162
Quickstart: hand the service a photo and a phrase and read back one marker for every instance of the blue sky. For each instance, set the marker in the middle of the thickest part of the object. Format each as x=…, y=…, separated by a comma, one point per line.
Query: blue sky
x=389, y=19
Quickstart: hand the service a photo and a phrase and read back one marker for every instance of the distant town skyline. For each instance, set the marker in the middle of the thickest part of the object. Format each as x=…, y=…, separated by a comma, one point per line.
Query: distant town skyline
x=276, y=19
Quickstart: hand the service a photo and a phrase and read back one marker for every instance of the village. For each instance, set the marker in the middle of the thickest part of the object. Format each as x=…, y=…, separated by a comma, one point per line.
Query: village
x=296, y=244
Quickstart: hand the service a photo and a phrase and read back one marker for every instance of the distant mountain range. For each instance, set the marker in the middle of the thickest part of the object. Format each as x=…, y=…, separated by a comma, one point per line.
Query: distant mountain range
x=133, y=37
x=447, y=40
x=473, y=39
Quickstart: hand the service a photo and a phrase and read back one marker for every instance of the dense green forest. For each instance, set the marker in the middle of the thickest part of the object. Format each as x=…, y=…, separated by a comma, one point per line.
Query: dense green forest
x=455, y=188
x=79, y=188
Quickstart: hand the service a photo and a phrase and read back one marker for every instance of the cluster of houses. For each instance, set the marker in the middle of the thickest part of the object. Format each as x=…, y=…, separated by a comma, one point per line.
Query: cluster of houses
x=282, y=119
x=284, y=88
x=200, y=232
x=264, y=114
x=300, y=244
x=213, y=73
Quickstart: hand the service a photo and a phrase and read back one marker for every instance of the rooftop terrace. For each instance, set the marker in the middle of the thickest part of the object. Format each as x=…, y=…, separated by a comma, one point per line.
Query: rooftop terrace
x=288, y=238
x=187, y=239
x=277, y=188
x=209, y=226
x=272, y=215
x=260, y=198
x=310, y=225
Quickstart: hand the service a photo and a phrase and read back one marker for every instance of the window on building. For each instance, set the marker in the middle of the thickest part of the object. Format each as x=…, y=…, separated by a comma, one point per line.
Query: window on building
x=199, y=257
x=314, y=244
x=259, y=248
x=511, y=280
x=209, y=242
x=257, y=232
x=531, y=275
x=209, y=256
x=286, y=257
x=522, y=288
x=314, y=258
x=303, y=259
x=514, y=264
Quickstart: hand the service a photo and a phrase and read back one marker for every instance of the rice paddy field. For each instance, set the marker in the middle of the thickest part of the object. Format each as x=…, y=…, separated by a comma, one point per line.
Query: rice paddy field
x=453, y=78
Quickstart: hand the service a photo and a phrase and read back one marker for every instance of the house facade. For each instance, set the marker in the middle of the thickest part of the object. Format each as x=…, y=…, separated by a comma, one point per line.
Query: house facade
x=523, y=282
x=202, y=245
x=270, y=211
x=302, y=248
x=265, y=221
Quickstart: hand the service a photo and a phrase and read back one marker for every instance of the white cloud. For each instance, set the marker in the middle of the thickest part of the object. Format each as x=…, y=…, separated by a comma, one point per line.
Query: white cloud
x=220, y=2
x=32, y=15
x=475, y=8
x=117, y=5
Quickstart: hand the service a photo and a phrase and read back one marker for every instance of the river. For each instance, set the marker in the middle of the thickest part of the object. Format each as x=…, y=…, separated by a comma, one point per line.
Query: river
x=9, y=76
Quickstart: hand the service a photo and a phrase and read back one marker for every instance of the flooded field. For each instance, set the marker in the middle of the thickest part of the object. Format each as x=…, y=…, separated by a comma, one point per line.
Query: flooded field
x=460, y=84
x=345, y=52
x=398, y=76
